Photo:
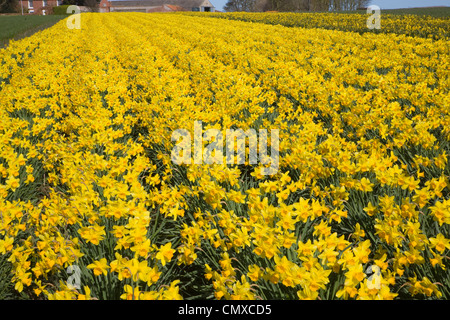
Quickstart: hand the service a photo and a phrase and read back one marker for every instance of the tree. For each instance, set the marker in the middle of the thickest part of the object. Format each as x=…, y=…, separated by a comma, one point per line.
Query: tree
x=8, y=6
x=240, y=5
x=73, y=2
x=92, y=5
x=310, y=5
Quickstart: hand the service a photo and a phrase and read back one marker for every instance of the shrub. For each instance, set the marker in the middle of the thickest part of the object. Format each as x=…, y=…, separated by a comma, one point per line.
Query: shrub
x=60, y=9
x=9, y=6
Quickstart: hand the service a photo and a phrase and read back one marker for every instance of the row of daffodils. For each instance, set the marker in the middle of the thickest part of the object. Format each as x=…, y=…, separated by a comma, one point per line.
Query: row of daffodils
x=92, y=205
x=374, y=21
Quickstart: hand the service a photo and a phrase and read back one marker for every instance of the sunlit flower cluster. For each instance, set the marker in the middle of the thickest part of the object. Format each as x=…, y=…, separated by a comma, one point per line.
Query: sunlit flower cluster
x=359, y=208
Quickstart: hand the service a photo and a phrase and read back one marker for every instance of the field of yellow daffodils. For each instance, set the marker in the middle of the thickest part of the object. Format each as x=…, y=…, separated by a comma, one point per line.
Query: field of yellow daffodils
x=93, y=207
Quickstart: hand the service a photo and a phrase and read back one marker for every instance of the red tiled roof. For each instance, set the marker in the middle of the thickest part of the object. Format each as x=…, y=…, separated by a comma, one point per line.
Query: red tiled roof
x=158, y=9
x=166, y=8
x=175, y=8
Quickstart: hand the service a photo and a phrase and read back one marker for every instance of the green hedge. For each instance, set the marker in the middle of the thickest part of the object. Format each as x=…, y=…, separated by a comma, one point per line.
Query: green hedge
x=60, y=9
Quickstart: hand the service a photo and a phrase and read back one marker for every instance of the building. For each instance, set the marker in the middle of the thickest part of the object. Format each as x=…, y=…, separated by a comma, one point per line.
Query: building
x=35, y=6
x=155, y=5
